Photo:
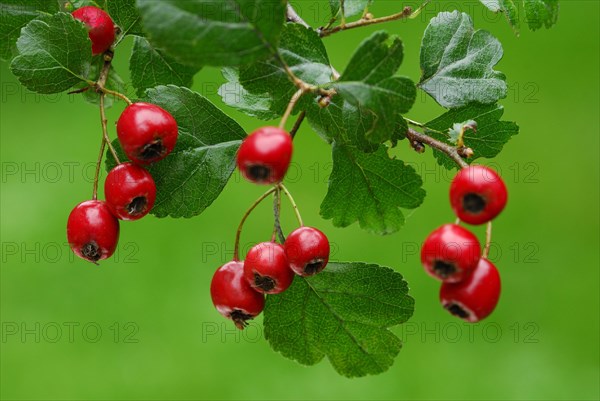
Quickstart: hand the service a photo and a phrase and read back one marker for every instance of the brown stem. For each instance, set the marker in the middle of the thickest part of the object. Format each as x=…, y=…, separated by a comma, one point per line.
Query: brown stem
x=236, y=249
x=405, y=13
x=451, y=151
x=108, y=56
x=101, y=83
x=290, y=107
x=298, y=124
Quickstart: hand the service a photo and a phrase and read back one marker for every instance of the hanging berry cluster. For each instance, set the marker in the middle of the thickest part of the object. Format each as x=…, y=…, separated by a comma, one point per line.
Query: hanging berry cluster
x=238, y=287
x=147, y=133
x=452, y=254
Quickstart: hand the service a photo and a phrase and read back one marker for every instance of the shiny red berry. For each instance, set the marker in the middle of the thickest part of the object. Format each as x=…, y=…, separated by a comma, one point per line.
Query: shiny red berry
x=450, y=253
x=307, y=250
x=130, y=191
x=264, y=156
x=476, y=297
x=101, y=28
x=232, y=295
x=92, y=231
x=147, y=132
x=477, y=195
x=267, y=269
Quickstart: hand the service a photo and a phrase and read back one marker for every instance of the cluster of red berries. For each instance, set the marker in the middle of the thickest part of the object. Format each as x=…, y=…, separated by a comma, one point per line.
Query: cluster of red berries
x=147, y=134
x=452, y=254
x=238, y=287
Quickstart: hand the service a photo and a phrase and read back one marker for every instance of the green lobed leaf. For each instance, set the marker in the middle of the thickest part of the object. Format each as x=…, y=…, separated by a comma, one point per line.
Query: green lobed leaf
x=235, y=95
x=194, y=174
x=370, y=188
x=303, y=51
x=149, y=67
x=214, y=32
x=343, y=123
x=127, y=17
x=14, y=15
x=487, y=141
x=540, y=13
x=344, y=313
x=457, y=62
x=382, y=103
x=348, y=8
x=508, y=8
x=54, y=54
x=368, y=84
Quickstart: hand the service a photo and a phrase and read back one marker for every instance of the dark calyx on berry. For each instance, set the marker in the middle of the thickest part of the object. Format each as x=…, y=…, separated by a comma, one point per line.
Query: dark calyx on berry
x=314, y=266
x=137, y=206
x=91, y=251
x=153, y=150
x=457, y=310
x=474, y=203
x=240, y=319
x=259, y=172
x=444, y=269
x=265, y=283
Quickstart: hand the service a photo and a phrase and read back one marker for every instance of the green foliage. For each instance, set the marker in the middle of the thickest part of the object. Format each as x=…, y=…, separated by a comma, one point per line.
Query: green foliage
x=235, y=95
x=538, y=13
x=457, y=62
x=343, y=123
x=125, y=14
x=370, y=188
x=348, y=8
x=214, y=32
x=344, y=313
x=15, y=15
x=302, y=51
x=149, y=67
x=195, y=173
x=368, y=84
x=54, y=54
x=486, y=141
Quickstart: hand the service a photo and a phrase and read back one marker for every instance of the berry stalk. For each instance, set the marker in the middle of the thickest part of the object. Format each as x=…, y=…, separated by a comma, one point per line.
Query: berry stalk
x=236, y=249
x=293, y=202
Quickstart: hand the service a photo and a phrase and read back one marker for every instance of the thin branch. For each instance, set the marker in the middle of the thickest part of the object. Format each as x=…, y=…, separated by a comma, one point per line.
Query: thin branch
x=298, y=124
x=108, y=57
x=101, y=83
x=451, y=151
x=405, y=13
x=290, y=107
x=116, y=94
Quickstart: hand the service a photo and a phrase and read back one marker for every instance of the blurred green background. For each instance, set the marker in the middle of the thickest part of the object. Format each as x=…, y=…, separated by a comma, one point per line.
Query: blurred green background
x=142, y=326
